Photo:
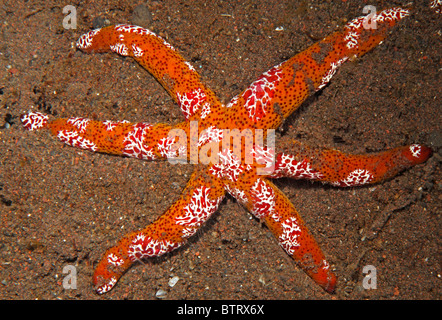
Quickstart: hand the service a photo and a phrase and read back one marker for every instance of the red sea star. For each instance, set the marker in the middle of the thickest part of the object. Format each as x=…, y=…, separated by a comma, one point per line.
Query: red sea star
x=226, y=143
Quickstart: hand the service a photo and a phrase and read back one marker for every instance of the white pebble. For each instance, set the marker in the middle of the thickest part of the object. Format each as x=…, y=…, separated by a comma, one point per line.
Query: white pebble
x=173, y=281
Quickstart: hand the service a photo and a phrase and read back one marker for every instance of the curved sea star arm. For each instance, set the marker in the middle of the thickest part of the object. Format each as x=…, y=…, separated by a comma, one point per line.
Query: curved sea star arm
x=157, y=56
x=281, y=90
x=264, y=200
x=138, y=140
x=347, y=170
x=199, y=200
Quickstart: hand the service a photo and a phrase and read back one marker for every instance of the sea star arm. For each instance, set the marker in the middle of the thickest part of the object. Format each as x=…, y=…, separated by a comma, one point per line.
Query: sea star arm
x=199, y=200
x=264, y=200
x=157, y=56
x=280, y=91
x=346, y=170
x=139, y=140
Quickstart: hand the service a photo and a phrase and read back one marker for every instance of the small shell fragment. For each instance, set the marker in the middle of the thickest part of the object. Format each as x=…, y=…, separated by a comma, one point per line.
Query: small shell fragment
x=173, y=281
x=161, y=294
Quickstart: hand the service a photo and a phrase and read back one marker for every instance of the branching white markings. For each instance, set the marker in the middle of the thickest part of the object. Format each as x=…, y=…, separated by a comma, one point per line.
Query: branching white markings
x=263, y=199
x=238, y=194
x=357, y=177
x=137, y=51
x=110, y=125
x=260, y=93
x=229, y=166
x=232, y=102
x=165, y=146
x=191, y=101
x=287, y=166
x=415, y=150
x=205, y=110
x=168, y=150
x=289, y=236
x=140, y=31
x=355, y=26
x=120, y=48
x=200, y=208
x=325, y=265
x=134, y=29
x=85, y=41
x=108, y=286
x=352, y=39
x=134, y=145
x=331, y=72
x=436, y=5
x=264, y=155
x=114, y=260
x=80, y=123
x=211, y=134
x=73, y=139
x=34, y=120
x=189, y=65
x=392, y=14
x=143, y=246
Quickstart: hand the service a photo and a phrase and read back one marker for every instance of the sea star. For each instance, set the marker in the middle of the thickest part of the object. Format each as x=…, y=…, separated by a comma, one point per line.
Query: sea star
x=226, y=143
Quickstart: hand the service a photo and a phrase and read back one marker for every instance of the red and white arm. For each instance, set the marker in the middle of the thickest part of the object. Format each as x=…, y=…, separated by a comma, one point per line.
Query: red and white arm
x=346, y=170
x=264, y=200
x=199, y=200
x=277, y=93
x=158, y=57
x=138, y=140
